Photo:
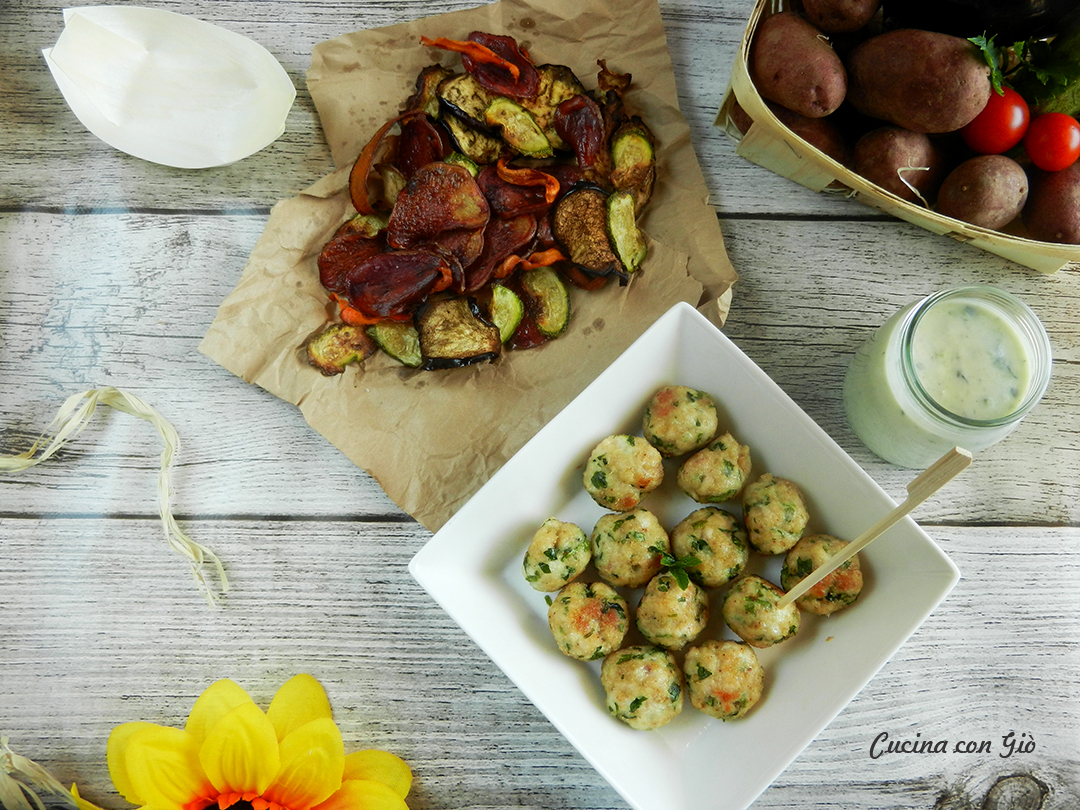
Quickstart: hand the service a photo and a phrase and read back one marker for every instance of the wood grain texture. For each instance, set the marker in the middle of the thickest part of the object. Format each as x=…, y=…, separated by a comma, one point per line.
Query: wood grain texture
x=111, y=270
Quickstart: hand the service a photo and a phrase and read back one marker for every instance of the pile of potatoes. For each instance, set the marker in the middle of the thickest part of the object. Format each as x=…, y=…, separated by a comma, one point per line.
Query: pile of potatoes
x=889, y=104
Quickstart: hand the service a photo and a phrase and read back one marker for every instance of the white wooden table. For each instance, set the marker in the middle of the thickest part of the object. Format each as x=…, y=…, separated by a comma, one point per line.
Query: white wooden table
x=111, y=270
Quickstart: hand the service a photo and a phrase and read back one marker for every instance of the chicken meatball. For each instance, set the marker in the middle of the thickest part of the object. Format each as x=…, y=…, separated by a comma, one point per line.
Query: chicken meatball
x=622, y=470
x=838, y=589
x=751, y=612
x=724, y=678
x=558, y=553
x=644, y=686
x=775, y=514
x=669, y=615
x=717, y=539
x=679, y=420
x=588, y=620
x=627, y=548
x=717, y=472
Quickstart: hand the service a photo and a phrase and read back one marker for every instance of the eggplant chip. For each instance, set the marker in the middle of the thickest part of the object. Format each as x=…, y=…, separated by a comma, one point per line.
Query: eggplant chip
x=580, y=226
x=452, y=334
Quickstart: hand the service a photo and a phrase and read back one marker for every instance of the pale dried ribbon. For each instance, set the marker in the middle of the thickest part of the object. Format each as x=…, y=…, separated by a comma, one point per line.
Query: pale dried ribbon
x=74, y=416
x=23, y=781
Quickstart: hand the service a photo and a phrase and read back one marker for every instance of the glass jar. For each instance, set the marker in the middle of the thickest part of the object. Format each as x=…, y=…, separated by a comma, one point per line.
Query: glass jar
x=961, y=367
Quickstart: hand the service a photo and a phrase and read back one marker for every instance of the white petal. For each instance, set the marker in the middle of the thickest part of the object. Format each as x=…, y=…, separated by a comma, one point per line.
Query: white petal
x=169, y=88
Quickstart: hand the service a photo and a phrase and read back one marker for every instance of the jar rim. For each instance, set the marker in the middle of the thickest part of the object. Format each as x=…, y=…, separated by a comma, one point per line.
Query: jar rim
x=1019, y=313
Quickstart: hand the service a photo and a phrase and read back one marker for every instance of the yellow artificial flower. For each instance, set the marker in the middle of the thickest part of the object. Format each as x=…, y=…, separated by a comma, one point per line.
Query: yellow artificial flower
x=231, y=754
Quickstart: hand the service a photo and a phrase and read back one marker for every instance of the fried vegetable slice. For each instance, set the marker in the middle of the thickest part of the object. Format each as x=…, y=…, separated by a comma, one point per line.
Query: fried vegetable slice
x=453, y=334
x=477, y=146
x=633, y=159
x=361, y=170
x=355, y=242
x=438, y=197
x=462, y=97
x=420, y=143
x=393, y=284
x=580, y=123
x=580, y=226
x=549, y=298
x=502, y=238
x=557, y=84
x=337, y=346
x=518, y=79
x=625, y=237
x=508, y=199
x=518, y=128
x=399, y=339
x=506, y=310
x=426, y=96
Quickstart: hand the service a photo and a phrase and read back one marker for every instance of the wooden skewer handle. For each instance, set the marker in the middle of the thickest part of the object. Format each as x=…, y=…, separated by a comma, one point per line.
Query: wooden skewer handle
x=930, y=481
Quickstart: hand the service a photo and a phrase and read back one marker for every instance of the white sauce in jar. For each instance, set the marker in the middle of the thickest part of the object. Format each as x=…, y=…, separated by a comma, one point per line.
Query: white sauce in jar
x=970, y=360
x=959, y=368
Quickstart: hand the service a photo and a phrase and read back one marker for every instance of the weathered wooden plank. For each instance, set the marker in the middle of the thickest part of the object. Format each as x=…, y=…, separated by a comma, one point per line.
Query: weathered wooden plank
x=122, y=634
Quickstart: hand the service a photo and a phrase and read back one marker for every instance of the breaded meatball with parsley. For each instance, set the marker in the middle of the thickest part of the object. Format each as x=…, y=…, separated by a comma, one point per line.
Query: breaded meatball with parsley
x=724, y=678
x=622, y=470
x=670, y=615
x=643, y=686
x=716, y=473
x=558, y=553
x=750, y=610
x=679, y=420
x=627, y=547
x=775, y=514
x=837, y=590
x=588, y=620
x=717, y=539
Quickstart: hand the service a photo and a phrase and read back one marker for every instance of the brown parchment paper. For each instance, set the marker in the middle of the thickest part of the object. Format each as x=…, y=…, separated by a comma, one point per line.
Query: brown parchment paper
x=431, y=439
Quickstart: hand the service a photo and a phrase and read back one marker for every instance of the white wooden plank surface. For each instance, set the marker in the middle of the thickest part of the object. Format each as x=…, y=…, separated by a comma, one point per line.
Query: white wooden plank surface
x=111, y=270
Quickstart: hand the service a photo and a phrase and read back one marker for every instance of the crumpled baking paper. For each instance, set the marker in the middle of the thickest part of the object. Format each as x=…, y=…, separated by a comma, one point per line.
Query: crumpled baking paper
x=432, y=438
x=169, y=88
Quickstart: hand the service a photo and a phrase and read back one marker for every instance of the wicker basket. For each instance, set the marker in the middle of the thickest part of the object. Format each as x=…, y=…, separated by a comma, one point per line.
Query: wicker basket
x=770, y=144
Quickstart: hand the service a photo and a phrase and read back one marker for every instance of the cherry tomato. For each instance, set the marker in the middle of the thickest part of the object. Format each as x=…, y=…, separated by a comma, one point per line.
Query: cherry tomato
x=1000, y=126
x=1053, y=141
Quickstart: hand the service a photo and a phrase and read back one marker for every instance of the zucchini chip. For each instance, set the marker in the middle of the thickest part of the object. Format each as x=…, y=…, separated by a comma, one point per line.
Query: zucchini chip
x=627, y=240
x=337, y=346
x=550, y=300
x=633, y=158
x=399, y=339
x=452, y=334
x=580, y=226
x=506, y=310
x=518, y=128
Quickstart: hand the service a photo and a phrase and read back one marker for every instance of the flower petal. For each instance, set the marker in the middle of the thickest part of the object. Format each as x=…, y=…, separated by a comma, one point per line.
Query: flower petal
x=240, y=754
x=116, y=757
x=161, y=767
x=218, y=700
x=362, y=794
x=300, y=700
x=379, y=766
x=312, y=761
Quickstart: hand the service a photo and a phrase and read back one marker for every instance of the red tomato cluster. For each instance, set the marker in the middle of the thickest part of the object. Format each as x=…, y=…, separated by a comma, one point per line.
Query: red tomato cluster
x=1051, y=140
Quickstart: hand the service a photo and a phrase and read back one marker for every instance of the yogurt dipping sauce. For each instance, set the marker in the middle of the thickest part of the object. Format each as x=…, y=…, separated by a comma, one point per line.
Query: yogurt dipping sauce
x=961, y=367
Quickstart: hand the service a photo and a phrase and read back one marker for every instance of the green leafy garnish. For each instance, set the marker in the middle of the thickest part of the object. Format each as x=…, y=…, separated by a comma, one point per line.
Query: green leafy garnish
x=993, y=58
x=676, y=567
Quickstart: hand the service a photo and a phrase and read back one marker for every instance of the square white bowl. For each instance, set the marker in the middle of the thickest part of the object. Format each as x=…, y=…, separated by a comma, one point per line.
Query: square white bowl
x=472, y=568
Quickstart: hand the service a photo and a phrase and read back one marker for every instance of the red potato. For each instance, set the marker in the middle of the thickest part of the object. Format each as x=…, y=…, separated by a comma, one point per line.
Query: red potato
x=920, y=80
x=840, y=16
x=903, y=162
x=1052, y=213
x=792, y=63
x=988, y=191
x=821, y=133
